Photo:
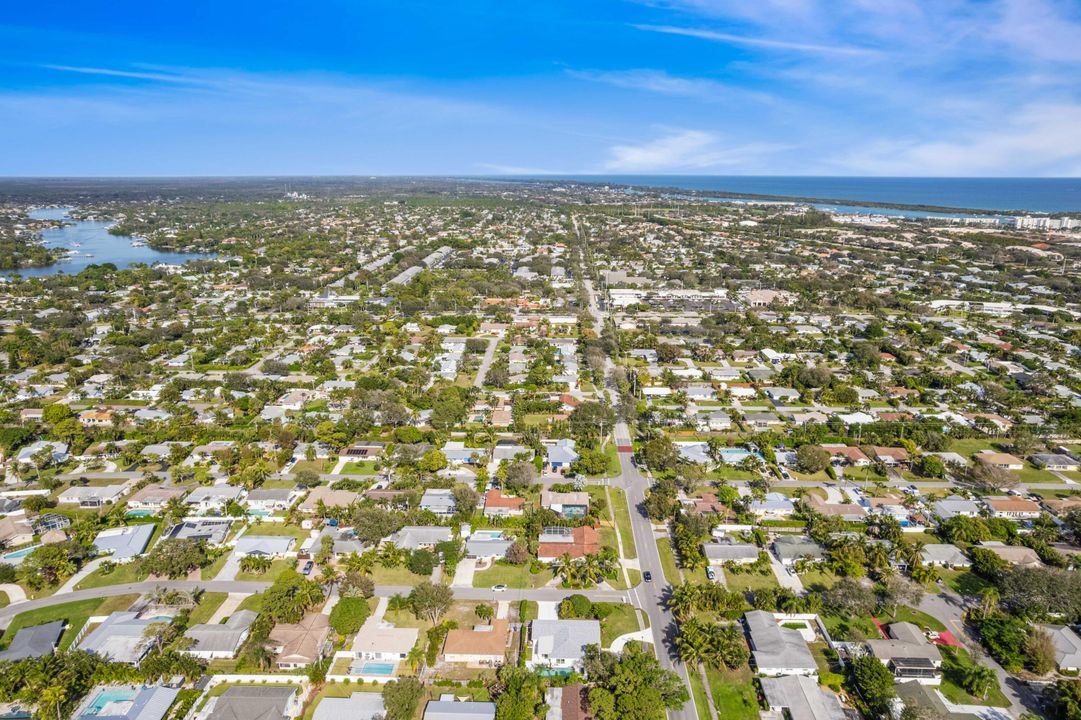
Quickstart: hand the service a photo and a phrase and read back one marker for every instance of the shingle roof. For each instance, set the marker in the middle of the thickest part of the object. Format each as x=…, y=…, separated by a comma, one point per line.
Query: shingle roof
x=36, y=641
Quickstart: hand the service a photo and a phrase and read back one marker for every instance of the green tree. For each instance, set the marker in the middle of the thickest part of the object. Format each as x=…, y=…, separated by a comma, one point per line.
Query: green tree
x=430, y=601
x=874, y=681
x=347, y=616
x=174, y=558
x=401, y=698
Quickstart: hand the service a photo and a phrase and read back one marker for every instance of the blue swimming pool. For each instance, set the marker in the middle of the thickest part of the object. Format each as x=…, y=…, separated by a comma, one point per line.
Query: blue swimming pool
x=376, y=668
x=17, y=556
x=489, y=534
x=105, y=697
x=139, y=513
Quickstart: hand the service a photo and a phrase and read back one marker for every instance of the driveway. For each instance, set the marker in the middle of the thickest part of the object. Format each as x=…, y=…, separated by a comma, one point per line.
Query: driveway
x=230, y=569
x=785, y=578
x=463, y=574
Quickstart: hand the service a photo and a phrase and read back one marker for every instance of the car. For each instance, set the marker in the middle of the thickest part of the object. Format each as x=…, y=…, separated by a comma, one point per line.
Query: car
x=499, y=588
x=711, y=574
x=647, y=576
x=308, y=567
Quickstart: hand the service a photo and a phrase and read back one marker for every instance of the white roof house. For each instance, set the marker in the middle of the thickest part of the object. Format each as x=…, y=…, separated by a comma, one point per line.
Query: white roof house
x=562, y=643
x=124, y=543
x=777, y=650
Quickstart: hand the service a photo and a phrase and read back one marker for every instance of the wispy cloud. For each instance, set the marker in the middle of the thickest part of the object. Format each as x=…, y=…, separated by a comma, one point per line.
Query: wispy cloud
x=761, y=42
x=130, y=74
x=681, y=150
x=661, y=82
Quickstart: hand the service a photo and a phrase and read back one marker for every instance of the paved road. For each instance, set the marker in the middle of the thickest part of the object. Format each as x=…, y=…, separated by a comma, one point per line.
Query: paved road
x=486, y=361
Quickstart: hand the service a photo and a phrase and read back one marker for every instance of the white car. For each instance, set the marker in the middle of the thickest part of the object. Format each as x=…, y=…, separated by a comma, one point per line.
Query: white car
x=499, y=588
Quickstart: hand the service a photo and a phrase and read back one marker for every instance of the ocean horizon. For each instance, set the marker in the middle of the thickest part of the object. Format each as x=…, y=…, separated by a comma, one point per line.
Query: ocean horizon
x=1034, y=195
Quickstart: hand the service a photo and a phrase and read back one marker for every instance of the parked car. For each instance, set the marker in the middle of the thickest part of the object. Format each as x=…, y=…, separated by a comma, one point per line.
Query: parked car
x=499, y=588
x=308, y=567
x=711, y=574
x=647, y=576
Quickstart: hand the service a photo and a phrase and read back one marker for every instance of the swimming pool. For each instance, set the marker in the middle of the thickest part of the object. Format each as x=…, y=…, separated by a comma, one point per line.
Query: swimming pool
x=106, y=698
x=375, y=668
x=17, y=556
x=139, y=513
x=488, y=534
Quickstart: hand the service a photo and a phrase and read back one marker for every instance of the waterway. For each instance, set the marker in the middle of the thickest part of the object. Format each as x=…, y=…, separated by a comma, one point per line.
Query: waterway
x=90, y=243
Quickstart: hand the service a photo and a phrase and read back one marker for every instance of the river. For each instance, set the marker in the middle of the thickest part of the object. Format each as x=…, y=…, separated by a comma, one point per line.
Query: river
x=91, y=244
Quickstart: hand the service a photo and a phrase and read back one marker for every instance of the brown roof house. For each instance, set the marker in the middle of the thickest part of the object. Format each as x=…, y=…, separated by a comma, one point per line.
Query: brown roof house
x=496, y=504
x=479, y=646
x=298, y=645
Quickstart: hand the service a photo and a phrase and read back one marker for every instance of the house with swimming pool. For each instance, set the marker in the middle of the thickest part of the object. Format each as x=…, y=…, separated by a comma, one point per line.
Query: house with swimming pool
x=127, y=702
x=266, y=501
x=379, y=646
x=150, y=500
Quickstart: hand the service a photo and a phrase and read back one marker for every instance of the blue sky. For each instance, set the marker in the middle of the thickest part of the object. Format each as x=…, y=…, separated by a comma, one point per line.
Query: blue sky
x=818, y=87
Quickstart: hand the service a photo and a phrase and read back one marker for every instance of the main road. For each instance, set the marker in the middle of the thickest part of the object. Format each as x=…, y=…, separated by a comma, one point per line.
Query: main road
x=649, y=596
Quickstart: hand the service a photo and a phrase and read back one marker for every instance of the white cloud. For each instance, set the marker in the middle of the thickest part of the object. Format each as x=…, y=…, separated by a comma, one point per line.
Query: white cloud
x=1037, y=140
x=684, y=150
x=759, y=41
x=663, y=83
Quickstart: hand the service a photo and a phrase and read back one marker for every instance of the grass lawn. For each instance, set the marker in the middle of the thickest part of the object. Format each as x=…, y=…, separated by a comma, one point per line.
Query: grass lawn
x=395, y=576
x=954, y=663
x=266, y=529
x=964, y=582
x=211, y=571
x=743, y=582
x=668, y=561
x=622, y=514
x=857, y=627
x=253, y=602
x=733, y=693
x=318, y=466
x=726, y=472
x=75, y=613
x=622, y=620
x=208, y=604
x=366, y=467
x=516, y=577
x=277, y=567
x=817, y=579
x=970, y=446
x=4, y=600
x=907, y=614
x=698, y=694
x=122, y=574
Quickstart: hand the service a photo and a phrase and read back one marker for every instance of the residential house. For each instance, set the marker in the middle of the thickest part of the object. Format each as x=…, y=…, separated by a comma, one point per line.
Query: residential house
x=1013, y=554
x=479, y=646
x=34, y=642
x=496, y=504
x=945, y=555
x=124, y=543
x=266, y=501
x=891, y=456
x=127, y=702
x=570, y=505
x=1067, y=647
x=57, y=451
x=120, y=638
x=439, y=501
x=447, y=707
x=330, y=498
x=1012, y=508
x=358, y=706
x=220, y=640
x=908, y=655
x=254, y=702
x=151, y=499
x=489, y=545
x=1055, y=462
x=719, y=553
x=955, y=506
x=561, y=644
x=417, y=537
x=15, y=530
x=380, y=641
x=774, y=506
x=210, y=531
x=777, y=650
x=790, y=548
x=847, y=455
x=554, y=542
x=263, y=545
x=798, y=697
x=1000, y=460
x=298, y=645
x=90, y=496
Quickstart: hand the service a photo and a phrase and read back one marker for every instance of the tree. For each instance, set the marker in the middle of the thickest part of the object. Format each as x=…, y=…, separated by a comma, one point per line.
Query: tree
x=659, y=454
x=421, y=562
x=986, y=563
x=518, y=553
x=430, y=601
x=485, y=612
x=519, y=476
x=432, y=461
x=174, y=558
x=662, y=503
x=591, y=421
x=465, y=500
x=290, y=597
x=1064, y=699
x=849, y=596
x=812, y=458
x=874, y=681
x=255, y=564
x=635, y=686
x=591, y=462
x=1040, y=649
x=896, y=590
x=978, y=680
x=56, y=413
x=931, y=466
x=347, y=616
x=401, y=697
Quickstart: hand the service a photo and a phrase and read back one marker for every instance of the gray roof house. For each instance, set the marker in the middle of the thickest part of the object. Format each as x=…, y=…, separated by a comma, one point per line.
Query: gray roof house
x=945, y=555
x=562, y=643
x=255, y=702
x=789, y=548
x=801, y=698
x=561, y=454
x=121, y=638
x=124, y=543
x=777, y=650
x=719, y=553
x=447, y=708
x=773, y=505
x=127, y=702
x=415, y=537
x=266, y=545
x=908, y=654
x=358, y=706
x=954, y=506
x=439, y=501
x=482, y=546
x=1067, y=647
x=34, y=642
x=212, y=532
x=90, y=496
x=220, y=640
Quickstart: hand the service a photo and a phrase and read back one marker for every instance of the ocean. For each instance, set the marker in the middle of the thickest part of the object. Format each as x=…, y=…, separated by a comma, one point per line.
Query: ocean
x=1034, y=195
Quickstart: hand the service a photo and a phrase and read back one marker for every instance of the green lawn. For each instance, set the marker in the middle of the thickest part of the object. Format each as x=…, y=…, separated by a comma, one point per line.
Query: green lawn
x=750, y=581
x=366, y=467
x=271, y=529
x=954, y=663
x=698, y=694
x=319, y=466
x=733, y=693
x=623, y=619
x=668, y=561
x=916, y=617
x=516, y=577
x=211, y=571
x=964, y=582
x=121, y=574
x=4, y=600
x=396, y=576
x=853, y=628
x=817, y=579
x=622, y=515
x=208, y=605
x=277, y=567
x=253, y=602
x=75, y=613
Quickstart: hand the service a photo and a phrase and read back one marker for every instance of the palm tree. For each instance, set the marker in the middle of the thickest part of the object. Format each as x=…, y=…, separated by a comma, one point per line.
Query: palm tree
x=978, y=680
x=415, y=658
x=989, y=598
x=683, y=600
